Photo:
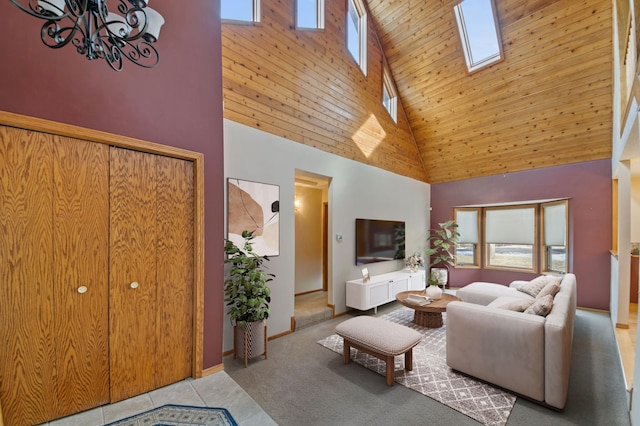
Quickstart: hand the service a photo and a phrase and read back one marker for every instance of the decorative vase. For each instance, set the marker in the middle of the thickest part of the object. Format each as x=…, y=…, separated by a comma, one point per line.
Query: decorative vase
x=441, y=275
x=250, y=342
x=413, y=268
x=434, y=292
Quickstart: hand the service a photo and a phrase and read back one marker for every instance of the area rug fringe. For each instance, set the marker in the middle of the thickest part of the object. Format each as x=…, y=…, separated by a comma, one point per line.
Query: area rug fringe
x=431, y=376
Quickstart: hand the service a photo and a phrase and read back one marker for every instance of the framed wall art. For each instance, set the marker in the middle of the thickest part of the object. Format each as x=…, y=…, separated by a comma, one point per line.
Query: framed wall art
x=254, y=206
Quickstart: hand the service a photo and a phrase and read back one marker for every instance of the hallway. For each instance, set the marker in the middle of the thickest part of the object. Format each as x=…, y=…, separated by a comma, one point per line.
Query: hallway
x=311, y=308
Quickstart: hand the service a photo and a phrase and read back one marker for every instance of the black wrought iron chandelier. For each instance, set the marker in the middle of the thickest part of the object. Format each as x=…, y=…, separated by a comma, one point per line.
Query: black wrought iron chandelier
x=98, y=33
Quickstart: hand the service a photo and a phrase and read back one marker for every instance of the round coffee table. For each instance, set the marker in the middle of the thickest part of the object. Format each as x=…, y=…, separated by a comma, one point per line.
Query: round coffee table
x=430, y=315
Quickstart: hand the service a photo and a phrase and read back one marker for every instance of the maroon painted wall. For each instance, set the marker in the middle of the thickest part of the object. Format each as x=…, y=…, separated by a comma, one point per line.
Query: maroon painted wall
x=178, y=103
x=588, y=185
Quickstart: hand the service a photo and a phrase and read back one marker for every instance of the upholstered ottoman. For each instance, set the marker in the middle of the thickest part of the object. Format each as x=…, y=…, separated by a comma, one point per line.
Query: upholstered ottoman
x=482, y=293
x=379, y=338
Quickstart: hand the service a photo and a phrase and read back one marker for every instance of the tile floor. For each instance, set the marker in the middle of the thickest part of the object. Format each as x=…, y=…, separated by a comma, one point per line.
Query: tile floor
x=215, y=390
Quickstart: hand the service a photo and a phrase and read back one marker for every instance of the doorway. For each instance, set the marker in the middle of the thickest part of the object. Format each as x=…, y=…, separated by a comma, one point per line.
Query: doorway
x=312, y=252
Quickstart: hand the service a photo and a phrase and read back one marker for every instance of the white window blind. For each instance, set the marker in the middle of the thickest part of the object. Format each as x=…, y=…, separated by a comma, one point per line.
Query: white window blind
x=510, y=226
x=467, y=221
x=555, y=225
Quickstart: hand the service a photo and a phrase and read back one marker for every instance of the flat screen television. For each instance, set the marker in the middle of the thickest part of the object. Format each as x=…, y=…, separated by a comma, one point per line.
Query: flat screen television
x=379, y=240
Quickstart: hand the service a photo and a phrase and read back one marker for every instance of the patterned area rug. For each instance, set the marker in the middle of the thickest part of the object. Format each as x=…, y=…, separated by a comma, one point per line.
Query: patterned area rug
x=179, y=415
x=431, y=376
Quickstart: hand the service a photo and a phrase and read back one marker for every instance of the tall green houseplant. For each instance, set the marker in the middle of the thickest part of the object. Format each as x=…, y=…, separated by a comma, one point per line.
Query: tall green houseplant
x=246, y=290
x=440, y=245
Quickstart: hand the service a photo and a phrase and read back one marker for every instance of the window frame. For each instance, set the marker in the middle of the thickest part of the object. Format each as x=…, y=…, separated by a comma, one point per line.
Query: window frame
x=361, y=30
x=544, y=248
x=539, y=252
x=476, y=247
x=463, y=35
x=389, y=87
x=255, y=14
x=534, y=247
x=319, y=16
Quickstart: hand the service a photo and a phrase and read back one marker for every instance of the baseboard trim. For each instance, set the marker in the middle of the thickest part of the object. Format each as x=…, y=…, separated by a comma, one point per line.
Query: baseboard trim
x=212, y=370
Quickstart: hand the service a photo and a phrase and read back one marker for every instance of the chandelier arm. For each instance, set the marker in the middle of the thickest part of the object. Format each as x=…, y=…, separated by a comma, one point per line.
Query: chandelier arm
x=75, y=8
x=55, y=36
x=141, y=53
x=132, y=16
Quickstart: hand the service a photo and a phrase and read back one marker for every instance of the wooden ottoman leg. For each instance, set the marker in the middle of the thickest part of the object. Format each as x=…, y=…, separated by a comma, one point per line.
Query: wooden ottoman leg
x=346, y=351
x=408, y=360
x=390, y=370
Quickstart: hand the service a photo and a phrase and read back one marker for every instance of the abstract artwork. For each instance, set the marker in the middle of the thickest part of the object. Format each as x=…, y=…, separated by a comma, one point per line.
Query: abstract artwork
x=254, y=206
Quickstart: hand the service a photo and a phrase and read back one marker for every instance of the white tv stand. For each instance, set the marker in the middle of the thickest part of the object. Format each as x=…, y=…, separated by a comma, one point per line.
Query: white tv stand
x=382, y=289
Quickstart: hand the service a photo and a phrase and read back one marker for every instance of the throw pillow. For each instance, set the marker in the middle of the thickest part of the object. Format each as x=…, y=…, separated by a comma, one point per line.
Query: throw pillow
x=552, y=287
x=533, y=287
x=541, y=306
x=517, y=305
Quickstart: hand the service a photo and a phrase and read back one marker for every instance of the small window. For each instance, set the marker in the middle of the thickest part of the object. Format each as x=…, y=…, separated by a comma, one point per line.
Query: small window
x=240, y=10
x=357, y=33
x=467, y=253
x=389, y=94
x=310, y=14
x=554, y=236
x=479, y=33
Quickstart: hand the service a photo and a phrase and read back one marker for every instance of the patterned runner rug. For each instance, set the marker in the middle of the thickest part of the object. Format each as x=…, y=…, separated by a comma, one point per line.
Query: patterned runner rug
x=179, y=415
x=431, y=376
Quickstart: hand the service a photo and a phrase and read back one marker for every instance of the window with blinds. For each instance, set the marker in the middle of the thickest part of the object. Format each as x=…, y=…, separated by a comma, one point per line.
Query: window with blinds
x=510, y=238
x=468, y=221
x=527, y=237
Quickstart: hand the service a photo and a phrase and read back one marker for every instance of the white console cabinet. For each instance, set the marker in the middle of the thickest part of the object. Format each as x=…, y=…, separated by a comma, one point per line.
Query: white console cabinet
x=382, y=289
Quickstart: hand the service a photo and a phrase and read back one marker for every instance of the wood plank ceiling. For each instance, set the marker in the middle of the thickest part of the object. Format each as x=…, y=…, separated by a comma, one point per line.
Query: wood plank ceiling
x=548, y=103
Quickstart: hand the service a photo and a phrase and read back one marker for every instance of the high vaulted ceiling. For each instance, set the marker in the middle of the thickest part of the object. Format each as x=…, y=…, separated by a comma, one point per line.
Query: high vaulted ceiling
x=548, y=103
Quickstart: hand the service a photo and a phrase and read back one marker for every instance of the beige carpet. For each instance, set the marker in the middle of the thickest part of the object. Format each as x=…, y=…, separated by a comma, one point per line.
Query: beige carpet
x=432, y=377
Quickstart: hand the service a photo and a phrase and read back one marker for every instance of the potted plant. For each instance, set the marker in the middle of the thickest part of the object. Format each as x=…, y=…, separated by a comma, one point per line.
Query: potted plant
x=440, y=242
x=247, y=295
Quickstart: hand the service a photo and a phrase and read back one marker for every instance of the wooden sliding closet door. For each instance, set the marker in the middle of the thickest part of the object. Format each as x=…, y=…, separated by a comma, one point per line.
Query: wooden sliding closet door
x=132, y=300
x=152, y=260
x=175, y=270
x=53, y=222
x=81, y=275
x=26, y=291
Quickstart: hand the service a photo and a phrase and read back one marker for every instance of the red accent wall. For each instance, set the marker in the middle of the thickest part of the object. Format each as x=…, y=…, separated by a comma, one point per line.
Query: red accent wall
x=588, y=185
x=178, y=103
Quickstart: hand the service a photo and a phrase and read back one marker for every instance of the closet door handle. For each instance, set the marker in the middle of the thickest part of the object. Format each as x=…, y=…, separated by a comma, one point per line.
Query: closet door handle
x=134, y=284
x=82, y=289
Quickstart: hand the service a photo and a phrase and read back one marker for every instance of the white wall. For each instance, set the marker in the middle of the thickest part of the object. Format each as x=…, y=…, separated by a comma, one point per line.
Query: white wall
x=356, y=191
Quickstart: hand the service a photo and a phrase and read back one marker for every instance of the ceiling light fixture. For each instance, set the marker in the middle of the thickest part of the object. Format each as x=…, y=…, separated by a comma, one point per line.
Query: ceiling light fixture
x=98, y=33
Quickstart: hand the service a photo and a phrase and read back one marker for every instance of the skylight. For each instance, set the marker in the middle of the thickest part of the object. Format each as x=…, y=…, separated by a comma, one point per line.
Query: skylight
x=479, y=33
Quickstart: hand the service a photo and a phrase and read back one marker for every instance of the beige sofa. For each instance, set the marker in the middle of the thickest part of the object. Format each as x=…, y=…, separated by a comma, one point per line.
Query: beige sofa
x=522, y=352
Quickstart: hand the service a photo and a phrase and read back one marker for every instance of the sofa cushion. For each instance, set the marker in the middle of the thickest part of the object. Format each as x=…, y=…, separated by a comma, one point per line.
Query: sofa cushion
x=533, y=287
x=483, y=293
x=552, y=288
x=512, y=303
x=541, y=306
